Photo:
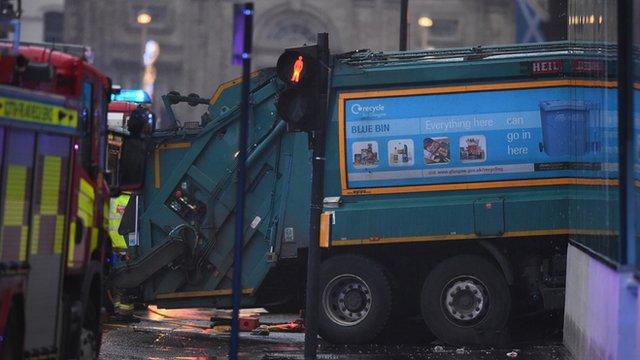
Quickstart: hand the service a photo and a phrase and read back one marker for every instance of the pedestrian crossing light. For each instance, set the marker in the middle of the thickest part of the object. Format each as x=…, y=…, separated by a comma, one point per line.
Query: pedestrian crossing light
x=298, y=68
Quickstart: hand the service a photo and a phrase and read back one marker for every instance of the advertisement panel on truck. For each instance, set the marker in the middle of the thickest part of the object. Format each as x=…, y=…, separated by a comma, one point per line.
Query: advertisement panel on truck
x=456, y=135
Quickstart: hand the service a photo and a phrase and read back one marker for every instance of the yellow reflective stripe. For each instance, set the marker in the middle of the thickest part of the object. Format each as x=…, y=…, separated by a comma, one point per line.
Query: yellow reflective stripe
x=115, y=217
x=85, y=203
x=35, y=234
x=37, y=112
x=86, y=197
x=24, y=234
x=94, y=239
x=57, y=242
x=14, y=203
x=117, y=240
x=50, y=185
x=86, y=187
x=105, y=215
x=49, y=197
x=72, y=244
x=15, y=206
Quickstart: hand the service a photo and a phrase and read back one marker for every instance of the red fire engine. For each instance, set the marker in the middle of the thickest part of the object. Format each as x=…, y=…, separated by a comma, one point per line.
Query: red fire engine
x=53, y=201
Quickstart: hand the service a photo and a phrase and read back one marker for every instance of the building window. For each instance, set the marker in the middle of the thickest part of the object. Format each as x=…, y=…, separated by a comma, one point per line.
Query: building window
x=292, y=33
x=446, y=28
x=53, y=26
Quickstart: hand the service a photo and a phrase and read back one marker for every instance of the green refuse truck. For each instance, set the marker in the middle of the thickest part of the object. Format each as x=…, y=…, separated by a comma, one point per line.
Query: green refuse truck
x=450, y=176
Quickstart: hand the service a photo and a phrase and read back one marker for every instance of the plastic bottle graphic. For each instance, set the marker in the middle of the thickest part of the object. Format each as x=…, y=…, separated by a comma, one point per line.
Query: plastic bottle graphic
x=394, y=155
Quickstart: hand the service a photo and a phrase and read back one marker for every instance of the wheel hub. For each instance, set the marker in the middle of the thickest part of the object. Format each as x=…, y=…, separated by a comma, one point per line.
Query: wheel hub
x=465, y=299
x=346, y=299
x=87, y=345
x=354, y=299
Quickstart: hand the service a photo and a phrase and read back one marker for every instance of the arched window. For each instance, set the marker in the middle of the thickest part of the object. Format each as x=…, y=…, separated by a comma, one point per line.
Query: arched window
x=294, y=32
x=53, y=26
x=282, y=27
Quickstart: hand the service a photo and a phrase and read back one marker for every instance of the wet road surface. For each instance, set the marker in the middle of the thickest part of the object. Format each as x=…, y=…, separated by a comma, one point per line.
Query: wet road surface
x=186, y=334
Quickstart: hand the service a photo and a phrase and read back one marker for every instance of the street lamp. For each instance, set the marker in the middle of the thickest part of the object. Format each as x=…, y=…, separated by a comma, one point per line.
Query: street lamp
x=144, y=18
x=425, y=23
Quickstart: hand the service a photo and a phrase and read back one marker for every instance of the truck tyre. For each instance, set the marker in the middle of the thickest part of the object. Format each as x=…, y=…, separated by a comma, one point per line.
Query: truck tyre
x=90, y=337
x=356, y=299
x=14, y=333
x=466, y=300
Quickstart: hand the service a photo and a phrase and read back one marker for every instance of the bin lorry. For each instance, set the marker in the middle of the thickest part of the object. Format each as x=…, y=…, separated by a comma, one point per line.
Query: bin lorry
x=450, y=176
x=53, y=199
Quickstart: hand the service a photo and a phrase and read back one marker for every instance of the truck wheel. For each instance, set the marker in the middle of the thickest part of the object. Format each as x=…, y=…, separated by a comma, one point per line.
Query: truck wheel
x=356, y=299
x=14, y=333
x=89, y=342
x=466, y=300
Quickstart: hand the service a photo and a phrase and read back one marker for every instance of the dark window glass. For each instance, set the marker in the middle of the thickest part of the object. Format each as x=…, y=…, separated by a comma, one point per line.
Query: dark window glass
x=86, y=128
x=53, y=26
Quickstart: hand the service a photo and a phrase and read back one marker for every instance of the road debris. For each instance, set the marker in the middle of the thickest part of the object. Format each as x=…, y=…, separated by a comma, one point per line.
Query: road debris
x=262, y=330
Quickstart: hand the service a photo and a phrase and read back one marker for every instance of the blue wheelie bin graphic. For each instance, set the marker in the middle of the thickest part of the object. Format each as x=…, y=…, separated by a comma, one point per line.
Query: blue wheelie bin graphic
x=565, y=127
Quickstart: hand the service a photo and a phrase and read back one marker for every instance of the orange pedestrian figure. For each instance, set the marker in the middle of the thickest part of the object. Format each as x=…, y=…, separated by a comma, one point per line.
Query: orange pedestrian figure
x=297, y=69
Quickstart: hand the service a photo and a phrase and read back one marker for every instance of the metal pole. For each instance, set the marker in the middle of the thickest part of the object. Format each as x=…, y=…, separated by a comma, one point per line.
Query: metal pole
x=625, y=132
x=317, y=197
x=404, y=10
x=16, y=36
x=242, y=176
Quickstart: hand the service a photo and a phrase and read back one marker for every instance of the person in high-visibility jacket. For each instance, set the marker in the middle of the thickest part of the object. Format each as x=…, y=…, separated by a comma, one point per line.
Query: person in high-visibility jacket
x=123, y=309
x=116, y=209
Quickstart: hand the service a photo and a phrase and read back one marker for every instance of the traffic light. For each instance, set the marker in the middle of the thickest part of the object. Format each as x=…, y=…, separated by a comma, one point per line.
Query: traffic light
x=299, y=69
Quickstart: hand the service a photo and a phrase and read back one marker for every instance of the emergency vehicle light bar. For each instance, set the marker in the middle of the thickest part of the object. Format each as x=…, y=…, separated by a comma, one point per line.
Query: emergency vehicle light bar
x=132, y=95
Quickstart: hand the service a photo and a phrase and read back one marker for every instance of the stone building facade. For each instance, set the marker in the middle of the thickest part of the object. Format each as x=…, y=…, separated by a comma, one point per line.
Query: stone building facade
x=42, y=20
x=195, y=35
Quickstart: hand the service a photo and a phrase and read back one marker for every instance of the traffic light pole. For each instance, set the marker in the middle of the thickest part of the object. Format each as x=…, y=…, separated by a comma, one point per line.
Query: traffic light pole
x=247, y=12
x=317, y=195
x=404, y=10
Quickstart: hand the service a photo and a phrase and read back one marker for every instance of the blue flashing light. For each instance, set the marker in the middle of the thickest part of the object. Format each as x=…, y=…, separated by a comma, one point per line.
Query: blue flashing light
x=130, y=95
